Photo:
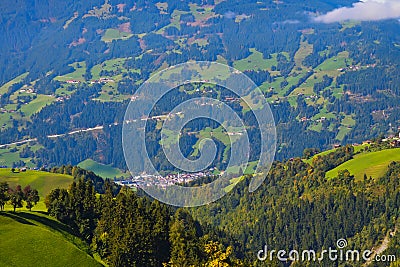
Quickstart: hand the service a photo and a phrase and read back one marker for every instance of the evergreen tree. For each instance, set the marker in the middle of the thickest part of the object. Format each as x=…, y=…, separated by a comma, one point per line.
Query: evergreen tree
x=4, y=197
x=58, y=205
x=106, y=207
x=185, y=249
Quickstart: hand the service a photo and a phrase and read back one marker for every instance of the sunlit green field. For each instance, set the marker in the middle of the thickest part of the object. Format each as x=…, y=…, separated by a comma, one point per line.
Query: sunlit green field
x=4, y=88
x=326, y=152
x=37, y=104
x=104, y=171
x=44, y=182
x=372, y=164
x=80, y=69
x=35, y=239
x=255, y=61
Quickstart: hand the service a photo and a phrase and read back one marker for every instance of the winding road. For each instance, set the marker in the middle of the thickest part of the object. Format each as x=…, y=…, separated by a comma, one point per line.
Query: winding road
x=54, y=136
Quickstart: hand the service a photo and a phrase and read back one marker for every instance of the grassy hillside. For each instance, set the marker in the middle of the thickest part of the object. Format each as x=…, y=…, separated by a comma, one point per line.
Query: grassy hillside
x=4, y=87
x=34, y=239
x=11, y=154
x=44, y=182
x=104, y=171
x=326, y=152
x=255, y=61
x=36, y=105
x=372, y=164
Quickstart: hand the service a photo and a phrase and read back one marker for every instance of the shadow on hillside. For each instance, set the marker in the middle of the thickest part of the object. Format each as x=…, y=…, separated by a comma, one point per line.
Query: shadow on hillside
x=62, y=228
x=41, y=212
x=30, y=218
x=17, y=218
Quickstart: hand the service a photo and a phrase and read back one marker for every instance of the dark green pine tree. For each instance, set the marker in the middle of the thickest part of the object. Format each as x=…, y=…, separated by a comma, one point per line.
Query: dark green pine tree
x=83, y=207
x=4, y=197
x=118, y=251
x=101, y=240
x=89, y=216
x=160, y=215
x=185, y=250
x=58, y=205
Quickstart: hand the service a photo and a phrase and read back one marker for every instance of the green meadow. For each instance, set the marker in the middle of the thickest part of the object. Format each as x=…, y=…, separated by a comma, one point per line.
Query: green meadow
x=44, y=182
x=102, y=170
x=77, y=74
x=36, y=105
x=255, y=61
x=115, y=34
x=326, y=152
x=372, y=164
x=35, y=239
x=4, y=88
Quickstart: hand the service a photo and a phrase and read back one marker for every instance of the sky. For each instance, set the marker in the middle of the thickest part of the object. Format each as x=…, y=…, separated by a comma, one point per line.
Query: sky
x=366, y=10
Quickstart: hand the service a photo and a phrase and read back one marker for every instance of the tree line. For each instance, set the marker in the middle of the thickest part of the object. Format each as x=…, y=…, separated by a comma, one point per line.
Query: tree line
x=16, y=196
x=127, y=229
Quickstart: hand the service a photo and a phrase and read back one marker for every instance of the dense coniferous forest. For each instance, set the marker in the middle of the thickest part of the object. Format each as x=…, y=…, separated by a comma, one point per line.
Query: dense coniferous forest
x=296, y=208
x=128, y=230
x=326, y=83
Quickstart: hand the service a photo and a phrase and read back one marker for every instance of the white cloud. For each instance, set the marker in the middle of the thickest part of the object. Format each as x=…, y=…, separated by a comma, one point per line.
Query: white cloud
x=367, y=10
x=291, y=21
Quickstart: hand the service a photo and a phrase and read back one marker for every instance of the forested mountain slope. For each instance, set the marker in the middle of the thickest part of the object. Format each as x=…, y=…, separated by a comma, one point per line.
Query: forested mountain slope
x=74, y=66
x=297, y=207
